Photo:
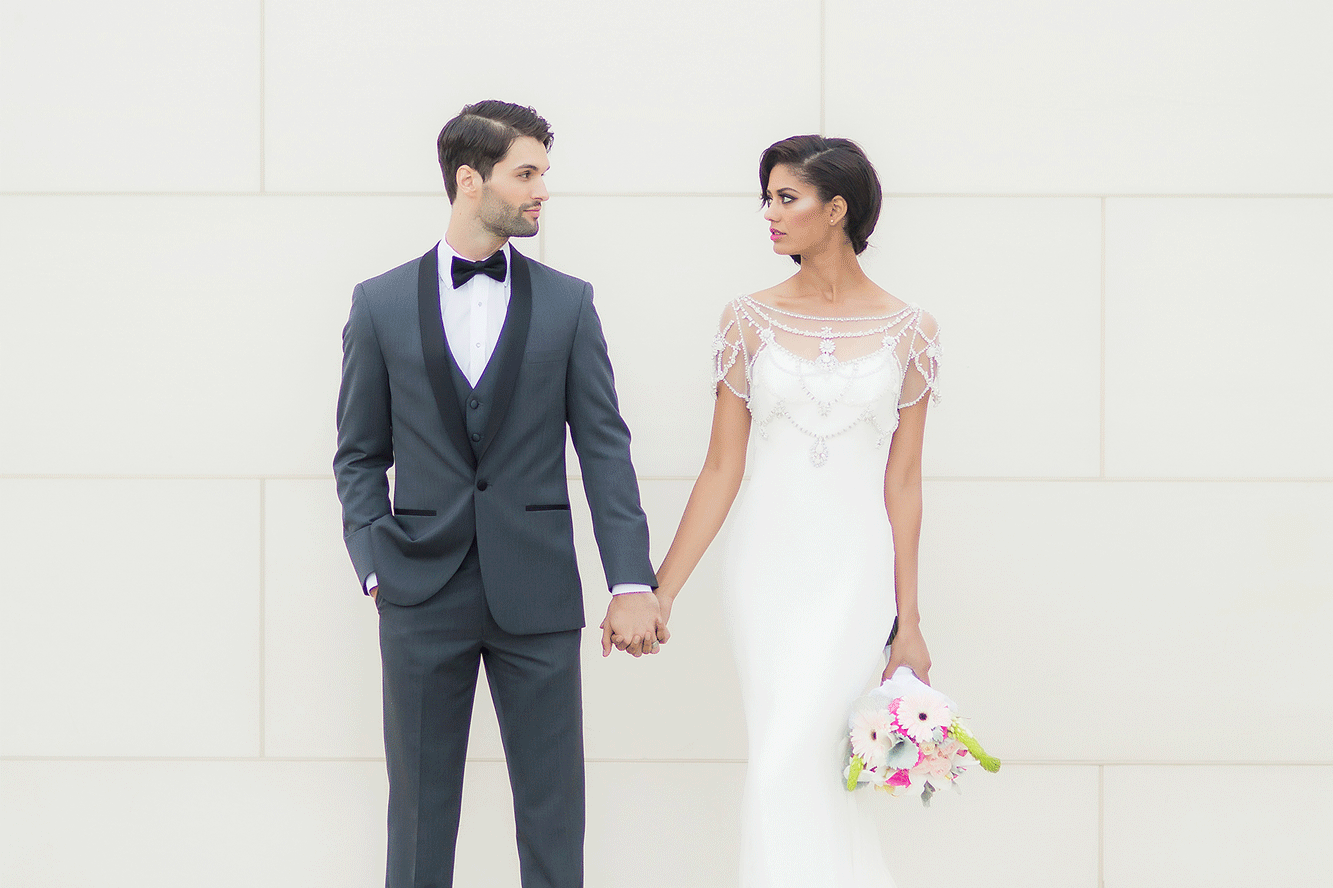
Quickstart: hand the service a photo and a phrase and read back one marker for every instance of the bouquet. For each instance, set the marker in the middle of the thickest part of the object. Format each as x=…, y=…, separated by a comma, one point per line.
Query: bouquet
x=905, y=738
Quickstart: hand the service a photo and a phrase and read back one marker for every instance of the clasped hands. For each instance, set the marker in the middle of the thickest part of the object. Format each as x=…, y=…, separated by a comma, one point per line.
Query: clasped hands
x=636, y=622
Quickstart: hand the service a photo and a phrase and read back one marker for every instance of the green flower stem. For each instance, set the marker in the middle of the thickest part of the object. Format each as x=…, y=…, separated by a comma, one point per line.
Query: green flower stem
x=857, y=767
x=988, y=762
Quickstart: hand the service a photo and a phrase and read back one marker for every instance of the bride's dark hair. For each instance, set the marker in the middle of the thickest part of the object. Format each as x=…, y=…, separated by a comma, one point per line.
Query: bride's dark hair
x=835, y=167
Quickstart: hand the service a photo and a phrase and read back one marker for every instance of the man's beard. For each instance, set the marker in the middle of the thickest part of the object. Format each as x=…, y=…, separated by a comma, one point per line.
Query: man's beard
x=505, y=220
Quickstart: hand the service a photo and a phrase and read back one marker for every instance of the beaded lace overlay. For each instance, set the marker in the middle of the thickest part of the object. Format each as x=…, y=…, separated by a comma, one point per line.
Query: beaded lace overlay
x=826, y=376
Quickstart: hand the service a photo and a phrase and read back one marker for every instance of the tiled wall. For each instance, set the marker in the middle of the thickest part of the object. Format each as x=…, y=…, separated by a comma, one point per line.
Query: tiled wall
x=1122, y=214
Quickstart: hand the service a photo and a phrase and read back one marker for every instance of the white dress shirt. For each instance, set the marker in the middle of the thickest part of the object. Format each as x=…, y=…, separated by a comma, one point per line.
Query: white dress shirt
x=474, y=315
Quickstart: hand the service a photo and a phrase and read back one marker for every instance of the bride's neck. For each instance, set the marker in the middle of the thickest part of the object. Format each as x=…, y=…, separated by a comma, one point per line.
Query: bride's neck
x=831, y=276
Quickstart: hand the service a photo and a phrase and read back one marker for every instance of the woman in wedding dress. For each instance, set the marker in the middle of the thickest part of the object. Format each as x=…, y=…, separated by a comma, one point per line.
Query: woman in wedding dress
x=830, y=376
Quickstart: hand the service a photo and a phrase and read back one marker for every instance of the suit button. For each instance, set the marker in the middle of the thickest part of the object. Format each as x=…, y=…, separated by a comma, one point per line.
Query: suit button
x=476, y=437
x=474, y=403
x=481, y=485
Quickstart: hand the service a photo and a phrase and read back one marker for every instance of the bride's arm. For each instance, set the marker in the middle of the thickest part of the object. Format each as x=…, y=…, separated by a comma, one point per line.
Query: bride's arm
x=902, y=499
x=710, y=501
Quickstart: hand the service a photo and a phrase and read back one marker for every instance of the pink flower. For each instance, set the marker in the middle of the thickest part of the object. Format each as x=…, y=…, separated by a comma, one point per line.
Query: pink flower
x=934, y=768
x=899, y=778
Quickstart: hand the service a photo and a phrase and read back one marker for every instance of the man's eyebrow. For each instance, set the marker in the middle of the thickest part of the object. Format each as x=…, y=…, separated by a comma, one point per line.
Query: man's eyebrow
x=527, y=166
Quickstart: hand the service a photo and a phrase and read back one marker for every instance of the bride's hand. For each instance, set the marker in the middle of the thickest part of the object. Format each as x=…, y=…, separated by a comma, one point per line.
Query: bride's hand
x=664, y=602
x=909, y=649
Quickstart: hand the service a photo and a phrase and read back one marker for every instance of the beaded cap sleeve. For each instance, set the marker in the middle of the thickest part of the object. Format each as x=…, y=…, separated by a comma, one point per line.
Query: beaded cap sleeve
x=826, y=377
x=732, y=353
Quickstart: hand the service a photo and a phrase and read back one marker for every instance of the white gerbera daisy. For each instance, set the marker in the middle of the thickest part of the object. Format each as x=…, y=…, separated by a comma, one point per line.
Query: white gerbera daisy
x=872, y=735
x=918, y=715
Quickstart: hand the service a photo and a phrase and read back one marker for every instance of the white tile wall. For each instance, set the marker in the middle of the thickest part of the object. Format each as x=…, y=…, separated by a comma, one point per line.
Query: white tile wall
x=131, y=618
x=151, y=339
x=1068, y=605
x=199, y=823
x=1015, y=284
x=186, y=335
x=660, y=299
x=1025, y=827
x=641, y=98
x=1228, y=827
x=1217, y=359
x=129, y=97
x=687, y=694
x=321, y=634
x=1181, y=96
x=676, y=824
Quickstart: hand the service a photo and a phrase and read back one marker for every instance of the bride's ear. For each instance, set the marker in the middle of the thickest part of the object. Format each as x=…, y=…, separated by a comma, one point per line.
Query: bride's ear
x=837, y=210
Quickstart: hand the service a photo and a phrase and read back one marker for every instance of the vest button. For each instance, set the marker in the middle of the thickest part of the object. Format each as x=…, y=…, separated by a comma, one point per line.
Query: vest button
x=481, y=485
x=475, y=437
x=474, y=403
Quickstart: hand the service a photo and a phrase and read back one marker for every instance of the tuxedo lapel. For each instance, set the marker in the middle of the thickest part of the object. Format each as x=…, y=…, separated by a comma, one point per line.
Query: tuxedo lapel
x=508, y=357
x=435, y=350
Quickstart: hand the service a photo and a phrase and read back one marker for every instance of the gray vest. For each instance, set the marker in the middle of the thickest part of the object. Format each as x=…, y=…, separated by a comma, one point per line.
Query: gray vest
x=475, y=402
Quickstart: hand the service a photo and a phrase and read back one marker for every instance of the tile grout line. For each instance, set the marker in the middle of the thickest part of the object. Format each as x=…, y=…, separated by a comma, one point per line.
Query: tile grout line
x=1026, y=763
x=941, y=479
x=263, y=607
x=1101, y=459
x=635, y=195
x=263, y=117
x=1101, y=826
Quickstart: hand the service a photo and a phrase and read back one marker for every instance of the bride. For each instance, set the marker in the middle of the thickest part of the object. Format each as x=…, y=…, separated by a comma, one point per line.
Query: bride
x=830, y=374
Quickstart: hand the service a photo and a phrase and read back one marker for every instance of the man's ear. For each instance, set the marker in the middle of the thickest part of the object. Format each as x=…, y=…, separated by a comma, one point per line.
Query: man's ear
x=466, y=180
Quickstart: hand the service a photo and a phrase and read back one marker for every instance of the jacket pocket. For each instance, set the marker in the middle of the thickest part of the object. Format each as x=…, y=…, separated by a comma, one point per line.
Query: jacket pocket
x=419, y=513
x=544, y=356
x=551, y=507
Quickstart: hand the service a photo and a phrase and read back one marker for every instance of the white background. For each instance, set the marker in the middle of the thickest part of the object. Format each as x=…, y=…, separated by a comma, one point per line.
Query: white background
x=1121, y=213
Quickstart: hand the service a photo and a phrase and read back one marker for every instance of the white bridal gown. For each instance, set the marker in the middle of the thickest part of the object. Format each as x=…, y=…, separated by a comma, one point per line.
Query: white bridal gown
x=809, y=585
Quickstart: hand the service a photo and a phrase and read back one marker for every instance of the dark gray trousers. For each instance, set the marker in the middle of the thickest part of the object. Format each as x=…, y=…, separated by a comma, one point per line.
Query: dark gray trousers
x=431, y=653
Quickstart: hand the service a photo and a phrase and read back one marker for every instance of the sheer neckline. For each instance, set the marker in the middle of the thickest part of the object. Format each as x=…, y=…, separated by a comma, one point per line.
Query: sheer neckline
x=893, y=315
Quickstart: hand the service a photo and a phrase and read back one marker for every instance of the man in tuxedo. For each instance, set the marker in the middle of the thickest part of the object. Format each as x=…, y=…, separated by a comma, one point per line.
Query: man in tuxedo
x=462, y=370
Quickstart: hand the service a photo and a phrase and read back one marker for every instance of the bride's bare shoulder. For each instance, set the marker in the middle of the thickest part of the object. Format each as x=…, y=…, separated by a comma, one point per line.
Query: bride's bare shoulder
x=778, y=296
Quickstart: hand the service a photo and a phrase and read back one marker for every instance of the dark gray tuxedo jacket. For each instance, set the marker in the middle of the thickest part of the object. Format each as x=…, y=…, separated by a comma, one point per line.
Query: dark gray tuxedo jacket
x=490, y=470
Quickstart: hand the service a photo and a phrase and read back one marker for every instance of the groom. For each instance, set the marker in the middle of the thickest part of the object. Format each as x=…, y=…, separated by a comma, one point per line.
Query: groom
x=462, y=369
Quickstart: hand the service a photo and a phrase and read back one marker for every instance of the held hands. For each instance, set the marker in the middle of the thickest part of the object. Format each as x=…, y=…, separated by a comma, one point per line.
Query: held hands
x=635, y=623
x=909, y=649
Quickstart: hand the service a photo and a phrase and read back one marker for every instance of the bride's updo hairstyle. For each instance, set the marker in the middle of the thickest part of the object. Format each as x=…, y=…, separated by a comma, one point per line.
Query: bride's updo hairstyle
x=835, y=167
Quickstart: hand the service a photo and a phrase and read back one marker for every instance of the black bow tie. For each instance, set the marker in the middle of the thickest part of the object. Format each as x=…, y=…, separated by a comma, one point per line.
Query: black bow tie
x=463, y=271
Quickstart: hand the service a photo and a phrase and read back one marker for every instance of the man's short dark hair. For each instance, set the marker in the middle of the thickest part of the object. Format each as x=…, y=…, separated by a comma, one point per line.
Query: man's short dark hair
x=481, y=134
x=835, y=167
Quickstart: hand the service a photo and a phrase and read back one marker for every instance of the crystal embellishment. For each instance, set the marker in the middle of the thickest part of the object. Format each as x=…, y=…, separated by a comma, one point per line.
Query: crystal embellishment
x=819, y=453
x=826, y=361
x=828, y=394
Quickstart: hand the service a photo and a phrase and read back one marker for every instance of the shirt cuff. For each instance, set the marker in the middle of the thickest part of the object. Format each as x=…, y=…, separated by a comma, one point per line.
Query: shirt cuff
x=627, y=588
x=371, y=582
